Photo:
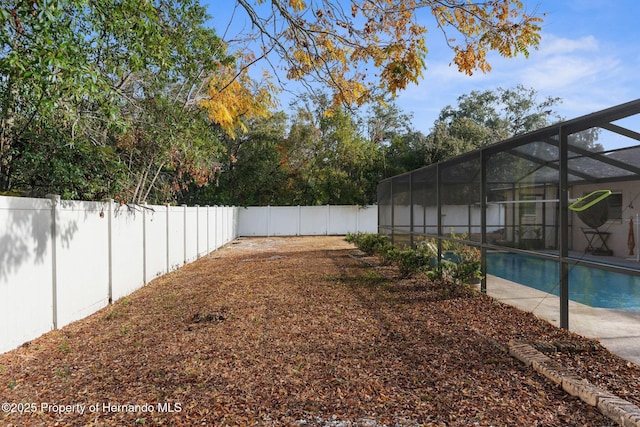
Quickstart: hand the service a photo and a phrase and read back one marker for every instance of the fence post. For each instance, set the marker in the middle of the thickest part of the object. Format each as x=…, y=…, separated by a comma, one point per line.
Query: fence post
x=144, y=243
x=328, y=224
x=197, y=231
x=215, y=225
x=208, y=226
x=167, y=236
x=184, y=234
x=110, y=248
x=268, y=221
x=55, y=202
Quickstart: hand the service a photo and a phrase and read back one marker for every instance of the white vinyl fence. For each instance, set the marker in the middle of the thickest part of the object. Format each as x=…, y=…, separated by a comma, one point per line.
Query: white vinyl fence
x=307, y=220
x=62, y=260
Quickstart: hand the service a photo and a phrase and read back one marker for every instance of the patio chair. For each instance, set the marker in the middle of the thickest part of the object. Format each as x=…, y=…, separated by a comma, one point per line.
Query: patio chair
x=593, y=210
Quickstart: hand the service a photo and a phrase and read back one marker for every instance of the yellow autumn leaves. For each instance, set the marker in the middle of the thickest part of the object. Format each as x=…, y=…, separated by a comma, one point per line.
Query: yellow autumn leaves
x=368, y=51
x=498, y=25
x=233, y=97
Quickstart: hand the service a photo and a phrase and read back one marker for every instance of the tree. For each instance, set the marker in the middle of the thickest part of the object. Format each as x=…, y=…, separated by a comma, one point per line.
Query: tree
x=251, y=171
x=40, y=66
x=165, y=150
x=336, y=164
x=120, y=92
x=233, y=98
x=401, y=147
x=486, y=117
x=374, y=49
x=312, y=158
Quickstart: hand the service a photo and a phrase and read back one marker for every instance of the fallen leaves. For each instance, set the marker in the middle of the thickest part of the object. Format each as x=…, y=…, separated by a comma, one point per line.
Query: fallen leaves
x=303, y=334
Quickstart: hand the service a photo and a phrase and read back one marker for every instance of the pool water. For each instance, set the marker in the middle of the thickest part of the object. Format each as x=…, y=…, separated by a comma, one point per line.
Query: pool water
x=590, y=286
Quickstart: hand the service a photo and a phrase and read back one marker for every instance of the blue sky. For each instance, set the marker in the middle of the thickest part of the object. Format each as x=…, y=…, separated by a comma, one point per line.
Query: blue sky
x=589, y=56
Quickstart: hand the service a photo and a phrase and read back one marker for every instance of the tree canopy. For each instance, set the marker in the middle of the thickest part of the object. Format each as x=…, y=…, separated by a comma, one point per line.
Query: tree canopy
x=366, y=50
x=486, y=117
x=114, y=99
x=315, y=158
x=142, y=100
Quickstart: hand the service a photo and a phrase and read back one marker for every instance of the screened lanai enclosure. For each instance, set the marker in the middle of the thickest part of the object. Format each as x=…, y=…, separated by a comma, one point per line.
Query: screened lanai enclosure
x=555, y=209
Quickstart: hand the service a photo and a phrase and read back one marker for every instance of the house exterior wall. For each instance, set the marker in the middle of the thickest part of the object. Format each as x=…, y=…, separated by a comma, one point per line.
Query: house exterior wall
x=618, y=228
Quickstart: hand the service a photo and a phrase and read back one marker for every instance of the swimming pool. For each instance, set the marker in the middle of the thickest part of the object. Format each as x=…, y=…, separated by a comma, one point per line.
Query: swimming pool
x=590, y=286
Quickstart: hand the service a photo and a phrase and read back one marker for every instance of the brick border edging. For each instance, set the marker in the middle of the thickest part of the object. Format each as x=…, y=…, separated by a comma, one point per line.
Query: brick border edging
x=619, y=410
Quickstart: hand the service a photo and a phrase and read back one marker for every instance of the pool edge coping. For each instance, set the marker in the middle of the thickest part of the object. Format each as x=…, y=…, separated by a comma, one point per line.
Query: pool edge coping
x=615, y=408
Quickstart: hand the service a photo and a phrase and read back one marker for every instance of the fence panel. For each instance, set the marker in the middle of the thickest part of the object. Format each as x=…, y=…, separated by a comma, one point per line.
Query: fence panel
x=254, y=221
x=211, y=237
x=219, y=226
x=176, y=237
x=342, y=219
x=203, y=232
x=306, y=220
x=155, y=242
x=191, y=234
x=313, y=220
x=26, y=274
x=82, y=259
x=367, y=219
x=233, y=225
x=284, y=221
x=127, y=250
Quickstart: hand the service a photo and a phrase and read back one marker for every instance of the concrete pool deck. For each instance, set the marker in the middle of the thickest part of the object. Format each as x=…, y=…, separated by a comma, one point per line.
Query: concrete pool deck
x=617, y=330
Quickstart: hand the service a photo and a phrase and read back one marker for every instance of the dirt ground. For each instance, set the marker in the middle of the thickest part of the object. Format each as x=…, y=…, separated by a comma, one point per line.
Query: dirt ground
x=300, y=331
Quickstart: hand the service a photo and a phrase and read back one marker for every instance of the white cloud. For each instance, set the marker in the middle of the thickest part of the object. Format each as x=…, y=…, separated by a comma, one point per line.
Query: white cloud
x=562, y=71
x=588, y=74
x=552, y=45
x=563, y=62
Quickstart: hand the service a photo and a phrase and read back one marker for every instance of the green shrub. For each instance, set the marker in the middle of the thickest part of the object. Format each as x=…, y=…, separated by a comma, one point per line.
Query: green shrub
x=369, y=243
x=468, y=266
x=466, y=272
x=414, y=261
x=423, y=258
x=443, y=271
x=410, y=262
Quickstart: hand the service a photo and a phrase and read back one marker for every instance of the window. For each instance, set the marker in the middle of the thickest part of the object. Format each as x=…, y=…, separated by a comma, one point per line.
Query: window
x=529, y=205
x=615, y=206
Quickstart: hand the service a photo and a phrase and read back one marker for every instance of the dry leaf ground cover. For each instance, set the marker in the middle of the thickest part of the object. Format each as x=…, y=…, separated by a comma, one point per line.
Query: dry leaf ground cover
x=298, y=331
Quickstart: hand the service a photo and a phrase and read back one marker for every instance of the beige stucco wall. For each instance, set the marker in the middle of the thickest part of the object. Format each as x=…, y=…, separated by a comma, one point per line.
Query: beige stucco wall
x=619, y=229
